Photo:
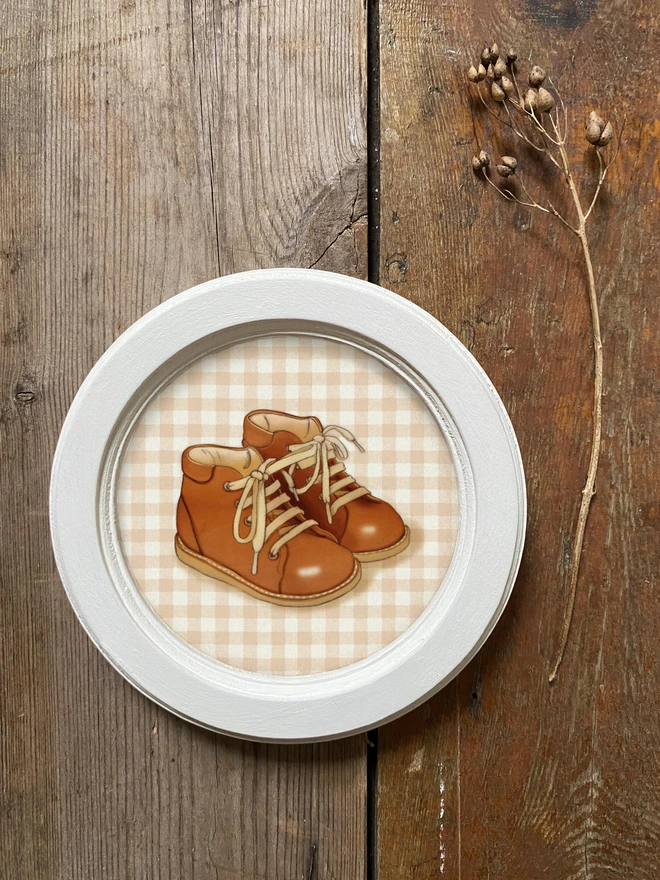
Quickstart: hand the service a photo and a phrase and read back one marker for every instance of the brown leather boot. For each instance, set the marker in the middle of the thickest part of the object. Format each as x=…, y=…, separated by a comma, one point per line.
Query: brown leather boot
x=370, y=528
x=236, y=522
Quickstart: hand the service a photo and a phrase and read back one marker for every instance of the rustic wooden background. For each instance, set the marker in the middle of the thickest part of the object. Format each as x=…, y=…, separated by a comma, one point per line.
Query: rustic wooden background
x=148, y=145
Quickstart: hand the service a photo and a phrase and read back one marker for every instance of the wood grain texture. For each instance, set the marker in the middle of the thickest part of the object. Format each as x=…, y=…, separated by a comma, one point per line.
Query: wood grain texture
x=502, y=774
x=145, y=147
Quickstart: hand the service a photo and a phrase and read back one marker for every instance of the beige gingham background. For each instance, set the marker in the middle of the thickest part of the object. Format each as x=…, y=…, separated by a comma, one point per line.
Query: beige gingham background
x=407, y=462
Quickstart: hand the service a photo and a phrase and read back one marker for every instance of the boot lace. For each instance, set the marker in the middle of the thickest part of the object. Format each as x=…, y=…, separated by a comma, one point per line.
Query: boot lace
x=260, y=495
x=317, y=452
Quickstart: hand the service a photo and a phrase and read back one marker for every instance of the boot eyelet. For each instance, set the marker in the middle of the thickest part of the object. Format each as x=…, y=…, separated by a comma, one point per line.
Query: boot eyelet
x=273, y=556
x=236, y=504
x=225, y=486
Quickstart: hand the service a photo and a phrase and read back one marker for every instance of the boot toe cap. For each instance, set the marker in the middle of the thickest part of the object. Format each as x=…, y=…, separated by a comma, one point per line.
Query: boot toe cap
x=375, y=527
x=324, y=567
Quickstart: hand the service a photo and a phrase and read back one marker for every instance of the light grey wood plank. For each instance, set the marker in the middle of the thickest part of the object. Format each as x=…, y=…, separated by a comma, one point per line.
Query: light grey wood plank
x=146, y=147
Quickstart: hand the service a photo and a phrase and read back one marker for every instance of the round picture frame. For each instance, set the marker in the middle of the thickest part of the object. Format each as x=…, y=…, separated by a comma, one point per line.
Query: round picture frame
x=317, y=706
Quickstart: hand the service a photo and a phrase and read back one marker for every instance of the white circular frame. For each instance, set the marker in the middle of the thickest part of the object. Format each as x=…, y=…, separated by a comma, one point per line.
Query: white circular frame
x=318, y=706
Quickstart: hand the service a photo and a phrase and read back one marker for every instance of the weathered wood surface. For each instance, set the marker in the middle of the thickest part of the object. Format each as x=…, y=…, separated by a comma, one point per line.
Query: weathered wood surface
x=502, y=775
x=149, y=146
x=146, y=147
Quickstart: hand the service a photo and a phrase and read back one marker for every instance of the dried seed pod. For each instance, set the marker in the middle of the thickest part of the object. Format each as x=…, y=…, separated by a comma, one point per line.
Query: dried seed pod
x=511, y=56
x=507, y=86
x=510, y=162
x=531, y=98
x=497, y=93
x=494, y=53
x=597, y=120
x=490, y=73
x=481, y=73
x=500, y=68
x=606, y=136
x=536, y=76
x=485, y=56
x=481, y=161
x=592, y=133
x=472, y=74
x=504, y=170
x=544, y=100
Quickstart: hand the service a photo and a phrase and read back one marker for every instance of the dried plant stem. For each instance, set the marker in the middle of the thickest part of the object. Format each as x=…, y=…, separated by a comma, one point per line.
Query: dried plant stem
x=597, y=419
x=590, y=486
x=589, y=490
x=540, y=120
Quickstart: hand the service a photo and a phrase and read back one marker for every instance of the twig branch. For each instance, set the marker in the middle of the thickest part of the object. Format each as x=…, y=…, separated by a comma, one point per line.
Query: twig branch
x=541, y=149
x=604, y=168
x=563, y=108
x=559, y=216
x=490, y=109
x=601, y=180
x=512, y=197
x=515, y=82
x=531, y=197
x=544, y=131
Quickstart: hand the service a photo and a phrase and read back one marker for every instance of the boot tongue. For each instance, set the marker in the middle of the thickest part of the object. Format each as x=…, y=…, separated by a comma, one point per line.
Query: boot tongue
x=298, y=430
x=250, y=463
x=292, y=435
x=315, y=427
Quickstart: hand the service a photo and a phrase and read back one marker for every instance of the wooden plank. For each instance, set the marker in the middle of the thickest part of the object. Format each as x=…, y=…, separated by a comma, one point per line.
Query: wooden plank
x=501, y=774
x=147, y=147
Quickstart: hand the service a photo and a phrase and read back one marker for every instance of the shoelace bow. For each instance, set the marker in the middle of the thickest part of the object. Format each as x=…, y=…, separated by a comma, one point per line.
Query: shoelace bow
x=258, y=494
x=321, y=448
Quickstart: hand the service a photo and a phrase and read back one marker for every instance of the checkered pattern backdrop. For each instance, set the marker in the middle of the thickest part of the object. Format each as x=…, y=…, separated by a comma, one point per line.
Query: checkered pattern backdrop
x=406, y=462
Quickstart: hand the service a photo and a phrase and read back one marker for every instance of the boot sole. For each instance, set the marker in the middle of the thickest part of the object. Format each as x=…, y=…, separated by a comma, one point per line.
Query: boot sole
x=213, y=569
x=386, y=552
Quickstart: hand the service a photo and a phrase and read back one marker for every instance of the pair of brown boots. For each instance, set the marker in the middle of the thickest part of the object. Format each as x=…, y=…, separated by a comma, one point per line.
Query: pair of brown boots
x=279, y=517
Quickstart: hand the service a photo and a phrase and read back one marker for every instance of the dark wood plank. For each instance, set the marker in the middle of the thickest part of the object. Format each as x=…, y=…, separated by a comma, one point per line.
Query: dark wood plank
x=147, y=147
x=501, y=774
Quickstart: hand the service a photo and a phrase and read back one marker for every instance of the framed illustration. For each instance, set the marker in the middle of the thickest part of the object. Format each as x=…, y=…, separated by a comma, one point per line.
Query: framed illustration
x=287, y=505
